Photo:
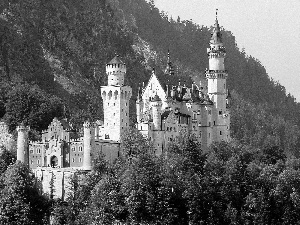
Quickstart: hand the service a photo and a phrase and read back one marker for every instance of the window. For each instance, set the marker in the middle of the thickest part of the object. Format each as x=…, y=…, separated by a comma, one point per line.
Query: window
x=208, y=135
x=38, y=162
x=114, y=114
x=80, y=159
x=209, y=124
x=220, y=112
x=214, y=123
x=220, y=132
x=194, y=115
x=31, y=151
x=108, y=104
x=122, y=110
x=209, y=112
x=114, y=104
x=73, y=160
x=73, y=149
x=80, y=149
x=31, y=161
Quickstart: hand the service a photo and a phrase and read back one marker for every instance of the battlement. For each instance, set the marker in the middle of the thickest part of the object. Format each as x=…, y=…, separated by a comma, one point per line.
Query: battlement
x=115, y=69
x=88, y=125
x=23, y=128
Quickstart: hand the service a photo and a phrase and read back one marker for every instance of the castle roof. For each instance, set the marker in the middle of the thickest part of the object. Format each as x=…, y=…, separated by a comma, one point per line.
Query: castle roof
x=116, y=60
x=216, y=36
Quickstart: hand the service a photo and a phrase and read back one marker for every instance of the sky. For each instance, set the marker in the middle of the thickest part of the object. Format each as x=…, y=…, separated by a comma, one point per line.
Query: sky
x=269, y=30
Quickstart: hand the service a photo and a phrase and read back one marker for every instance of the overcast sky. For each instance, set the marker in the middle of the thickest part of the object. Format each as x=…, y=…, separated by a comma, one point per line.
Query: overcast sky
x=269, y=30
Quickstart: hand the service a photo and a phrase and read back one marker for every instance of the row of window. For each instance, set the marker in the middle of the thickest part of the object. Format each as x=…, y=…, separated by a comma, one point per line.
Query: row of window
x=80, y=149
x=171, y=128
x=38, y=151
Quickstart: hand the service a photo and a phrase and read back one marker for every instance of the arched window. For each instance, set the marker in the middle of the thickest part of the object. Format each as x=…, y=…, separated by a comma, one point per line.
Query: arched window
x=73, y=149
x=38, y=151
x=80, y=149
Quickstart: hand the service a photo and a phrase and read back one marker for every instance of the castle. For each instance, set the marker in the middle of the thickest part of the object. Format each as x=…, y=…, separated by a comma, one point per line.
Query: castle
x=163, y=112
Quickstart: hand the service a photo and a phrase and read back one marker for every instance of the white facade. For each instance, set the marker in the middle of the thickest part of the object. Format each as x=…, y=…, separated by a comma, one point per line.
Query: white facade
x=200, y=110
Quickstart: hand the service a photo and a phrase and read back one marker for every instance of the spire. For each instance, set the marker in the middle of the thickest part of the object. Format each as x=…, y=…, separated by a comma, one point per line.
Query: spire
x=216, y=36
x=169, y=69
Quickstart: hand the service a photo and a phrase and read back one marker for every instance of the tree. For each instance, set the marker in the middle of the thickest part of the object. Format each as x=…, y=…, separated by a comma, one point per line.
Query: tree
x=20, y=201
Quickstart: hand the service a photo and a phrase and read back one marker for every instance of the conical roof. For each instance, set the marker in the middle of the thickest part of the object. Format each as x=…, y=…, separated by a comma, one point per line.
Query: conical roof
x=116, y=60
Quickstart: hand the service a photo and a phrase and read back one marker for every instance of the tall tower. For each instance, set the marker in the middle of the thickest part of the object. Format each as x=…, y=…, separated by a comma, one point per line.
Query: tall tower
x=22, y=143
x=88, y=144
x=216, y=74
x=216, y=81
x=116, y=98
x=156, y=105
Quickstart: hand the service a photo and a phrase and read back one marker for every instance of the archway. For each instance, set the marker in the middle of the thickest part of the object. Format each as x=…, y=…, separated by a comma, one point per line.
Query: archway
x=54, y=161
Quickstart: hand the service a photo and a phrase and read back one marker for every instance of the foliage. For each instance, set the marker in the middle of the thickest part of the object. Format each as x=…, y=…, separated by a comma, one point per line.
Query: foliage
x=20, y=201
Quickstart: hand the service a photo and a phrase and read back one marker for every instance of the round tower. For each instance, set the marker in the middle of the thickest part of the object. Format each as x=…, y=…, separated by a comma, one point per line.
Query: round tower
x=115, y=71
x=22, y=143
x=156, y=105
x=138, y=107
x=216, y=74
x=88, y=142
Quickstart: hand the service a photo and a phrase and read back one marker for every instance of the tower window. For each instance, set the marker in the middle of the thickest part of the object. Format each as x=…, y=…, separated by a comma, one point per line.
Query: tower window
x=80, y=149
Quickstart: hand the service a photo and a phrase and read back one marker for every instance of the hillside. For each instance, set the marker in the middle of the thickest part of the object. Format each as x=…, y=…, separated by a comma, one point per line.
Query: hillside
x=62, y=47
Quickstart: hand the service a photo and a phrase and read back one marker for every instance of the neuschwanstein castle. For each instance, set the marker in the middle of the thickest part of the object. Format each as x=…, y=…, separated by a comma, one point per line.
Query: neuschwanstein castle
x=163, y=112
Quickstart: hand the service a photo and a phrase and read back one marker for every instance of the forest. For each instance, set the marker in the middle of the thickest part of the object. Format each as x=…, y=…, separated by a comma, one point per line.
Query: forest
x=52, y=64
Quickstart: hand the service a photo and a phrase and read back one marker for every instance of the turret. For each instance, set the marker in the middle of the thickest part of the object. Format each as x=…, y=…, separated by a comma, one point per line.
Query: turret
x=216, y=74
x=156, y=105
x=116, y=71
x=22, y=143
x=169, y=69
x=88, y=142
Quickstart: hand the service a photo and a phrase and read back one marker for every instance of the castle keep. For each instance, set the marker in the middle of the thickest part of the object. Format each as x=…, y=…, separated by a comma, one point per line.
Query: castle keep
x=164, y=111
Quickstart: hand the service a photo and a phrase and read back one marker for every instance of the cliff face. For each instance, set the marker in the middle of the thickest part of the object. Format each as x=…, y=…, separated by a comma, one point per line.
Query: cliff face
x=6, y=139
